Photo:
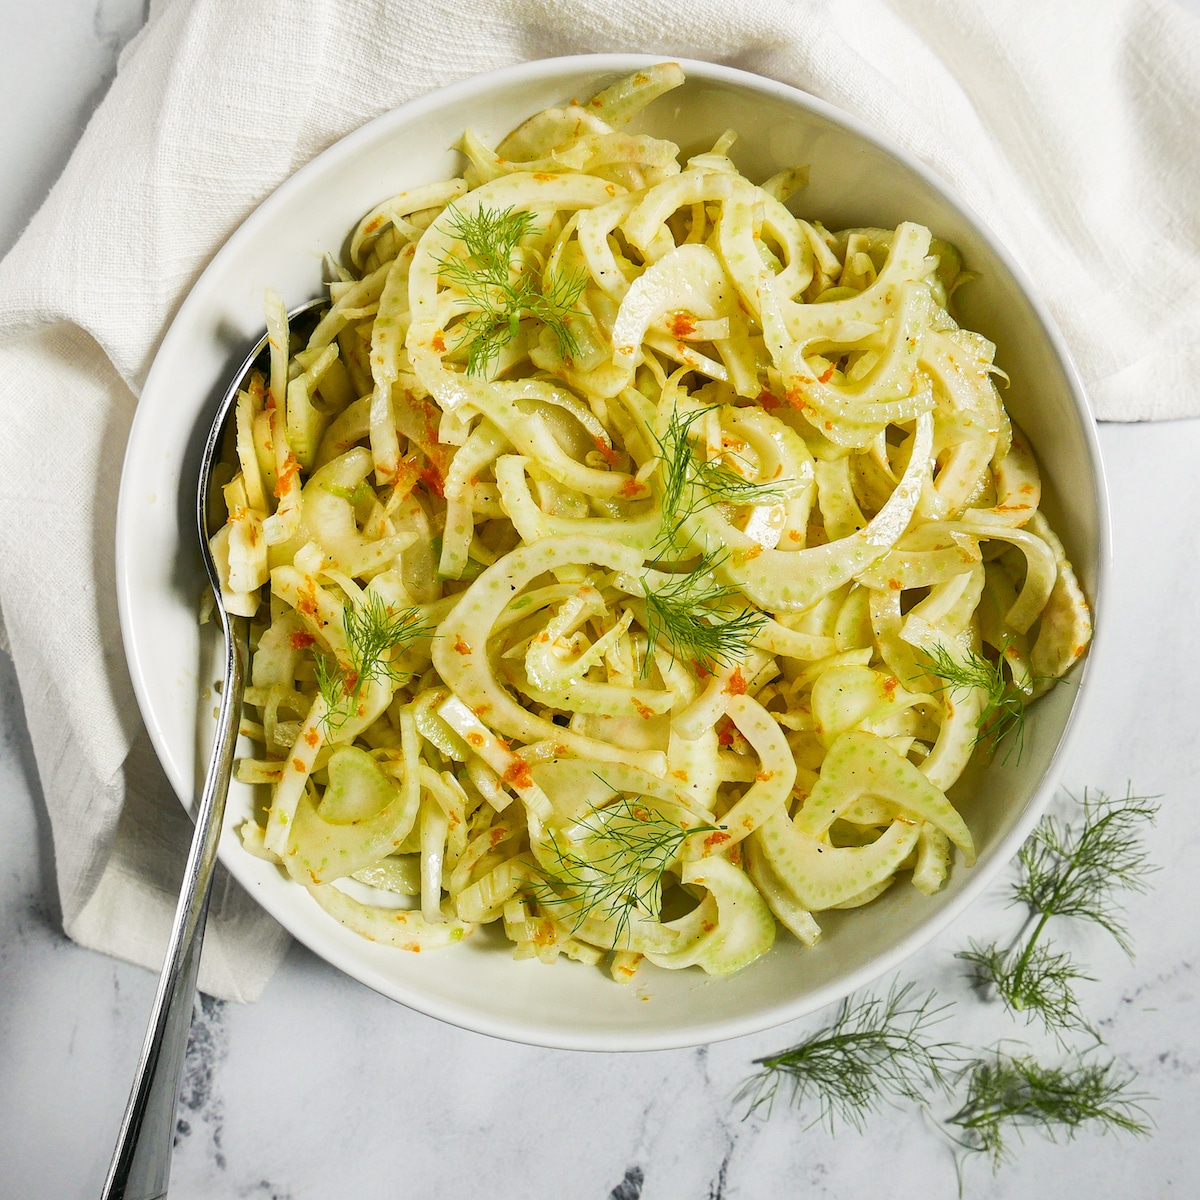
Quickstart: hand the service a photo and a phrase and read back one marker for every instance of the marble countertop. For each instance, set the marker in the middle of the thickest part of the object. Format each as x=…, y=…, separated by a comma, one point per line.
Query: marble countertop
x=325, y=1089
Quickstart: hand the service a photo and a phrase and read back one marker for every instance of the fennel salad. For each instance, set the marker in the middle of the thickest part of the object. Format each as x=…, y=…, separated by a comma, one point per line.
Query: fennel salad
x=632, y=563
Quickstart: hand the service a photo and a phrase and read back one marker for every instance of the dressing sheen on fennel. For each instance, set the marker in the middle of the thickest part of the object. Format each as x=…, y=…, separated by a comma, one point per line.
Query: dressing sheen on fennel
x=631, y=562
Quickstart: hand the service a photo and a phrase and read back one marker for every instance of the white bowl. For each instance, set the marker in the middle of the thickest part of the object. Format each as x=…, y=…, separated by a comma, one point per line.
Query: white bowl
x=854, y=180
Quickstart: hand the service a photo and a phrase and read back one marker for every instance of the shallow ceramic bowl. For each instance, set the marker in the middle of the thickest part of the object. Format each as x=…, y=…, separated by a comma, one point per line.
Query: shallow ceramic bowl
x=854, y=180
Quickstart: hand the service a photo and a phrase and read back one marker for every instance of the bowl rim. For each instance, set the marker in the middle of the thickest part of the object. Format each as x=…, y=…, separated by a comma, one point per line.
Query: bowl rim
x=475, y=1018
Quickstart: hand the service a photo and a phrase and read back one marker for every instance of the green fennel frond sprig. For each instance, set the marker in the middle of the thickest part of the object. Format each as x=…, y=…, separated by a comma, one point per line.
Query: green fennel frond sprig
x=1074, y=871
x=614, y=870
x=1067, y=871
x=689, y=482
x=374, y=634
x=502, y=289
x=1008, y=1093
x=704, y=623
x=1032, y=979
x=875, y=1052
x=1005, y=704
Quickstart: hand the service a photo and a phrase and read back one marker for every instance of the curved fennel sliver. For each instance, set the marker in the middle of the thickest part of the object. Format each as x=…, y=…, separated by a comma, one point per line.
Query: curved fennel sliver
x=860, y=764
x=321, y=850
x=460, y=647
x=403, y=928
x=792, y=581
x=819, y=875
x=777, y=771
x=744, y=928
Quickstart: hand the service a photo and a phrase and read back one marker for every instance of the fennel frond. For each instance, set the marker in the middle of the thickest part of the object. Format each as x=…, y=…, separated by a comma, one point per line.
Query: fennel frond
x=1013, y=1093
x=615, y=869
x=374, y=634
x=1003, y=710
x=704, y=623
x=876, y=1051
x=1067, y=871
x=690, y=482
x=502, y=290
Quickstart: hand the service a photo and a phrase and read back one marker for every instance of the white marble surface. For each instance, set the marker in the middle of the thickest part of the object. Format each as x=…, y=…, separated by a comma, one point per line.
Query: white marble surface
x=323, y=1089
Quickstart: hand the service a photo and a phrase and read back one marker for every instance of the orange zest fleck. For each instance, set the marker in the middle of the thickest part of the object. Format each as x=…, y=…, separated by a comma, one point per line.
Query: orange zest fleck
x=300, y=639
x=291, y=468
x=682, y=324
x=518, y=774
x=461, y=647
x=307, y=600
x=736, y=685
x=432, y=479
x=610, y=455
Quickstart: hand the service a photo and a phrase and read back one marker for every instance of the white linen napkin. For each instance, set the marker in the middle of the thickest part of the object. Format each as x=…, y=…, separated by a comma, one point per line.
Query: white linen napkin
x=1069, y=127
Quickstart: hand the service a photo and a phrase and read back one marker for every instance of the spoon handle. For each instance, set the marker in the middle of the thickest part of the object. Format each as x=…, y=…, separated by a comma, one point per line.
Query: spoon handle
x=141, y=1163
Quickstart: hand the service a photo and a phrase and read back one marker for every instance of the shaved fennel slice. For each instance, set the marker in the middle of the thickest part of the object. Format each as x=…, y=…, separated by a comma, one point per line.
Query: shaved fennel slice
x=792, y=581
x=744, y=928
x=861, y=764
x=1066, y=623
x=776, y=774
x=405, y=929
x=819, y=875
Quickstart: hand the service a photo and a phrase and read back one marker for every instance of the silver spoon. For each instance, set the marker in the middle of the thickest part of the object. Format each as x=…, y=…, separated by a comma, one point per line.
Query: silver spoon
x=141, y=1162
